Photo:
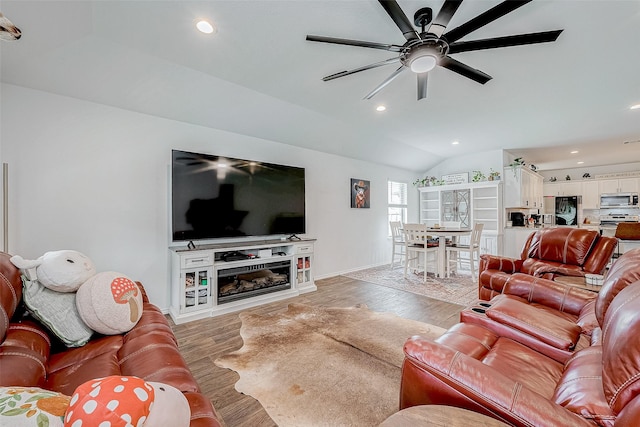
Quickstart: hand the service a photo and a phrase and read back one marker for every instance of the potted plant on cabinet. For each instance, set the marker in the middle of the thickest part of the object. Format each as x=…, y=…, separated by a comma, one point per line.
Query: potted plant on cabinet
x=478, y=176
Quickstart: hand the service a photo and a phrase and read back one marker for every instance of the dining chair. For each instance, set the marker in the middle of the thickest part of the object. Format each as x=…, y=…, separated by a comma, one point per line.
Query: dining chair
x=417, y=249
x=472, y=250
x=397, y=241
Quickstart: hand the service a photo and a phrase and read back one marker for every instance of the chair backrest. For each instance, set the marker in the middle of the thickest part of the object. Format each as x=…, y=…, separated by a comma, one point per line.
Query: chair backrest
x=415, y=234
x=396, y=230
x=628, y=231
x=565, y=245
x=451, y=224
x=476, y=234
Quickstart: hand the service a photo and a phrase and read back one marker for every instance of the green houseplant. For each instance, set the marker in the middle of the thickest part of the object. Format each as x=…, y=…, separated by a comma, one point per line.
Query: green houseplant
x=478, y=176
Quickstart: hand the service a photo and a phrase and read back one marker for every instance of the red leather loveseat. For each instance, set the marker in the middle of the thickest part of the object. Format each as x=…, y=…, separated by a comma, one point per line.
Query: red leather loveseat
x=548, y=252
x=473, y=367
x=31, y=357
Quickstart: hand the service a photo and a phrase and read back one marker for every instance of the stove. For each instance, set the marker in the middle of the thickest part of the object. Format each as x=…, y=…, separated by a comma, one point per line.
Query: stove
x=612, y=220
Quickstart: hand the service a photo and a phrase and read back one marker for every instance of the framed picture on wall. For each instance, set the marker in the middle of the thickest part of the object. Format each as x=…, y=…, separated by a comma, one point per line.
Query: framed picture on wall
x=360, y=193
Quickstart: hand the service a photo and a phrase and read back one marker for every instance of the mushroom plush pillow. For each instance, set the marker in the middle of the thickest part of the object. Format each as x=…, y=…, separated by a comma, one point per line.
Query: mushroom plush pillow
x=109, y=303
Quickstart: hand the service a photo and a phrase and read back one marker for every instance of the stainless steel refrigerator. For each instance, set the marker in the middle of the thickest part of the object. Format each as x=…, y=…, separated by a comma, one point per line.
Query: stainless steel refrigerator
x=566, y=210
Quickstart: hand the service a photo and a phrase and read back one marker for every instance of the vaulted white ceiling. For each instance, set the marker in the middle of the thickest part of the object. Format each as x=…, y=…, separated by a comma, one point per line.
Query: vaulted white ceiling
x=259, y=76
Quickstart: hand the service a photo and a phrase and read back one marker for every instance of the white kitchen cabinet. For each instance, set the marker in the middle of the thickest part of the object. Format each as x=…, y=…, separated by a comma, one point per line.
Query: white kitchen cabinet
x=564, y=188
x=552, y=189
x=621, y=185
x=522, y=188
x=590, y=195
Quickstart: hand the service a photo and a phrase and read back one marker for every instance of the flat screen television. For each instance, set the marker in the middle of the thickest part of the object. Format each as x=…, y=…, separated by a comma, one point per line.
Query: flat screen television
x=215, y=197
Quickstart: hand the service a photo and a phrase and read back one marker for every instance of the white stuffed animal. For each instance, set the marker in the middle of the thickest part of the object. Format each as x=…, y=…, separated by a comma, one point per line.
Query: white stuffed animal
x=60, y=271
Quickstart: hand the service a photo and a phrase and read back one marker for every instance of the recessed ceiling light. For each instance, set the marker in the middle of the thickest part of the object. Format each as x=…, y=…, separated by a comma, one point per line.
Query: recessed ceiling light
x=635, y=107
x=580, y=163
x=205, y=27
x=381, y=108
x=574, y=152
x=455, y=143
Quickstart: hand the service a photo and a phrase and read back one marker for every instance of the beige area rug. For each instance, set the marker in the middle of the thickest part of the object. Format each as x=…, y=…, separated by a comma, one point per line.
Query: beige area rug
x=460, y=289
x=319, y=366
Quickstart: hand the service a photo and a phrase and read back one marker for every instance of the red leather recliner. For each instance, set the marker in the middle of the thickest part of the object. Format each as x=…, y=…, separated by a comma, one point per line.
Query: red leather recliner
x=547, y=253
x=475, y=368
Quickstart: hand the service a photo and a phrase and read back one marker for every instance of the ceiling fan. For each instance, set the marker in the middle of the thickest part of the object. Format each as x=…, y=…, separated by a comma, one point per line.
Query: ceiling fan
x=423, y=50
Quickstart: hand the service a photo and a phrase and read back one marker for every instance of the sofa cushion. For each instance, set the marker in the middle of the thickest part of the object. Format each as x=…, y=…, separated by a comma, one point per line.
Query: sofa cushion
x=580, y=388
x=58, y=312
x=75, y=366
x=31, y=407
x=524, y=365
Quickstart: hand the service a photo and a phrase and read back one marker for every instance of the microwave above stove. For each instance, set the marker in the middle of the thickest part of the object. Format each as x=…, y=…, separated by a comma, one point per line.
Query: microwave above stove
x=618, y=200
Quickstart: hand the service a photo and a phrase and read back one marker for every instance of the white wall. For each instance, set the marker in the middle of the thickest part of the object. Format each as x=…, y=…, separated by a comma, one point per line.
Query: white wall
x=484, y=162
x=93, y=178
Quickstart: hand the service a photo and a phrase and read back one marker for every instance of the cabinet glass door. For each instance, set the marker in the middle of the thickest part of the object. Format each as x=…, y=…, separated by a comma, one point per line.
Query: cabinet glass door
x=455, y=206
x=197, y=288
x=303, y=268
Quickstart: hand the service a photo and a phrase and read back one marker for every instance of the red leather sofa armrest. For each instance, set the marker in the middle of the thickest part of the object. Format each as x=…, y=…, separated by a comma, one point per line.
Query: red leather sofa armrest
x=548, y=328
x=500, y=263
x=564, y=298
x=24, y=354
x=502, y=397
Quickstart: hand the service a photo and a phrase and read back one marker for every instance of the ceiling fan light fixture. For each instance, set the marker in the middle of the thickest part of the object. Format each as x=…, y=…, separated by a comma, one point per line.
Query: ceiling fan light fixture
x=423, y=63
x=205, y=27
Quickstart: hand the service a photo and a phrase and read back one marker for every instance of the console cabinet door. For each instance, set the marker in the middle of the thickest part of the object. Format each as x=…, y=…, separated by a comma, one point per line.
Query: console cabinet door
x=196, y=289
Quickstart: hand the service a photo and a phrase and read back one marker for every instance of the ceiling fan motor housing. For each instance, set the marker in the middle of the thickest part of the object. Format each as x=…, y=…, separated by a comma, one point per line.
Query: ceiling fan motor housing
x=429, y=45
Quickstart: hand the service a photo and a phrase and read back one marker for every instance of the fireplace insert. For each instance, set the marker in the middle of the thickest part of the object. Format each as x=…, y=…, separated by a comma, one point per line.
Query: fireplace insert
x=247, y=281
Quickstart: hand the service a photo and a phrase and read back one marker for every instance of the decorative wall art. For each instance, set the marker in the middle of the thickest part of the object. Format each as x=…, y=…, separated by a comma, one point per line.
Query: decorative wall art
x=360, y=197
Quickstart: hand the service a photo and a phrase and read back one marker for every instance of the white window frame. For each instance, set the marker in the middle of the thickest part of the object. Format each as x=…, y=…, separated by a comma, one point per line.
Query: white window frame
x=397, y=201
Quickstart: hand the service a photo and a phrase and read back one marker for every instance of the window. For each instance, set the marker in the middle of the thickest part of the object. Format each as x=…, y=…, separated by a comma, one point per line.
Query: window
x=397, y=201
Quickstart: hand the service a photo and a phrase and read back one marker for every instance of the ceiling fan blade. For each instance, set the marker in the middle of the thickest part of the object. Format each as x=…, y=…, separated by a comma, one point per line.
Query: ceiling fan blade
x=464, y=70
x=363, y=68
x=444, y=16
x=484, y=19
x=422, y=85
x=507, y=41
x=388, y=80
x=358, y=43
x=401, y=20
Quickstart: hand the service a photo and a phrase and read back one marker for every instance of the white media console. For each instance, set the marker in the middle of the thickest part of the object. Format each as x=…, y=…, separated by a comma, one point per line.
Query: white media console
x=222, y=278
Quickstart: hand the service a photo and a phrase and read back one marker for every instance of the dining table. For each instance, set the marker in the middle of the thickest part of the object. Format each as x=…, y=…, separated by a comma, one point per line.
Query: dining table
x=442, y=233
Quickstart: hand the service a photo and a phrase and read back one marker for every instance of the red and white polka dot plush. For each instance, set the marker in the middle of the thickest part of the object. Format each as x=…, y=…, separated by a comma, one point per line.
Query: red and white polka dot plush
x=125, y=401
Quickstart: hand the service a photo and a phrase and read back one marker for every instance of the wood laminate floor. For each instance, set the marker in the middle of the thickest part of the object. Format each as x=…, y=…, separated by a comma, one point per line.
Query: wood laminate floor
x=203, y=341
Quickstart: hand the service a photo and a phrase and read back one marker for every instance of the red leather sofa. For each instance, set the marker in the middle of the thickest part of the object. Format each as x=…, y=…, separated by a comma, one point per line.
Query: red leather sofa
x=555, y=319
x=548, y=252
x=31, y=357
x=473, y=367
